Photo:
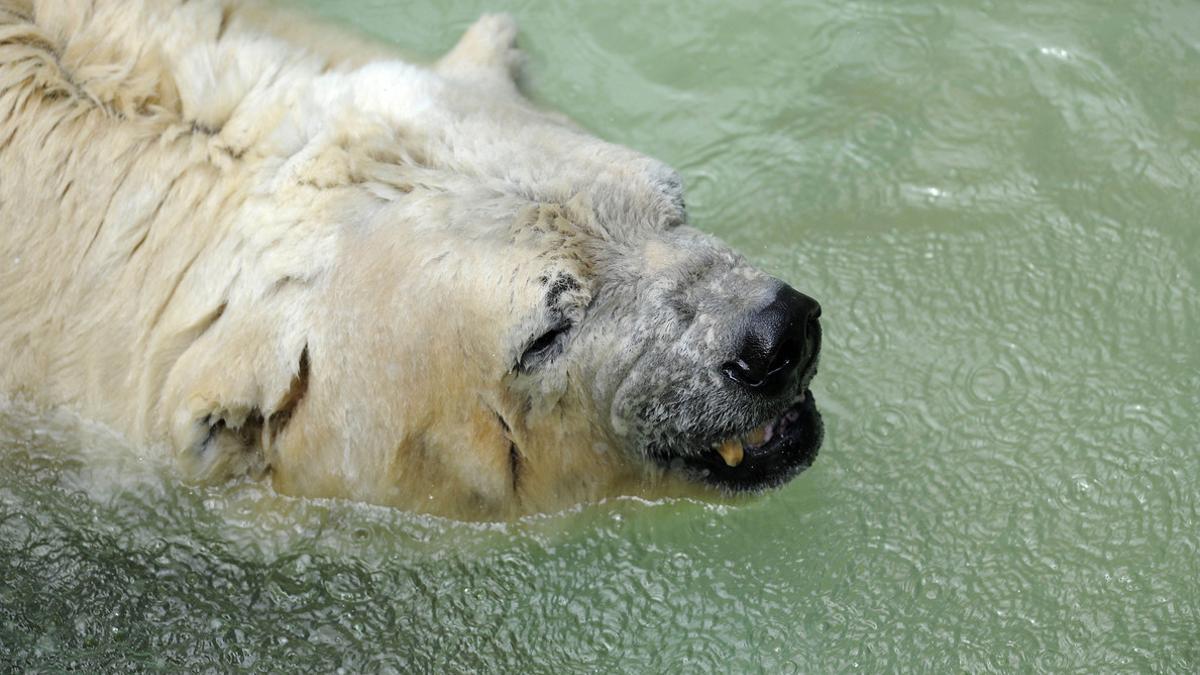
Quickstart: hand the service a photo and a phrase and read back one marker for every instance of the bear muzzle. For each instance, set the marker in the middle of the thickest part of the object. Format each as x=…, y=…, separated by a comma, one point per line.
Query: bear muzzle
x=776, y=352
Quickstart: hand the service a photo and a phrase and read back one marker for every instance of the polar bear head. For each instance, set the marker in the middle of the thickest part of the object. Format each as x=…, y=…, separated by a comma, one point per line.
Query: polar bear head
x=533, y=323
x=512, y=315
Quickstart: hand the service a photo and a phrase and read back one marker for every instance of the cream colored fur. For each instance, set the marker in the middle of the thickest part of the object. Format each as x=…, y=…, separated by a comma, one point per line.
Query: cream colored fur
x=227, y=232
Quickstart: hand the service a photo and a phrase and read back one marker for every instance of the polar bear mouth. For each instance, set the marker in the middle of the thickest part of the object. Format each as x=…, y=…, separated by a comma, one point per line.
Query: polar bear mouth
x=766, y=456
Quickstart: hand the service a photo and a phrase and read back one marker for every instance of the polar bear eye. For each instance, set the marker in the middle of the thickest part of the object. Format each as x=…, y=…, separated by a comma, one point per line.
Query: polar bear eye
x=544, y=347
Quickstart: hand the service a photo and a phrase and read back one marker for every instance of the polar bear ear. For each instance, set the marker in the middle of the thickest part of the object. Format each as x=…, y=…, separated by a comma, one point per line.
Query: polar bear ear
x=228, y=444
x=487, y=50
x=221, y=441
x=229, y=423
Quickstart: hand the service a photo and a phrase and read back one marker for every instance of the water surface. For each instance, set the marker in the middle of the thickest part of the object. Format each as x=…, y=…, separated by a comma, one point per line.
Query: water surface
x=996, y=203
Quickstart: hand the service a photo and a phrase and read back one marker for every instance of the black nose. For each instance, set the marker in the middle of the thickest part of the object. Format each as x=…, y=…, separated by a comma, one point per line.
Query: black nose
x=778, y=339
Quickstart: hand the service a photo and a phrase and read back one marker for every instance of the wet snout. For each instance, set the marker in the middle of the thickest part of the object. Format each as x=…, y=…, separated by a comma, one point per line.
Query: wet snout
x=776, y=341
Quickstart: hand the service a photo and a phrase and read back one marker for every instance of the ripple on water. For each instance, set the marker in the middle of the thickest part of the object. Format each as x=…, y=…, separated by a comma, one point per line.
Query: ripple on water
x=995, y=204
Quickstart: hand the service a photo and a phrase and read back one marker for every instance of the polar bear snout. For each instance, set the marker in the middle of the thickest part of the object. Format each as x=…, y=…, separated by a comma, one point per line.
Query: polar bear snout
x=778, y=340
x=750, y=422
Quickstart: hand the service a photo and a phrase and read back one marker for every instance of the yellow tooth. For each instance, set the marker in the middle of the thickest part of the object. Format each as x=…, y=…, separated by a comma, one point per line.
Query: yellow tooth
x=757, y=436
x=731, y=452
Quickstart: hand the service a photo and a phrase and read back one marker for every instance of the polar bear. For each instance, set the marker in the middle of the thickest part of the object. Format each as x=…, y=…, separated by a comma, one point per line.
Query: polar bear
x=275, y=250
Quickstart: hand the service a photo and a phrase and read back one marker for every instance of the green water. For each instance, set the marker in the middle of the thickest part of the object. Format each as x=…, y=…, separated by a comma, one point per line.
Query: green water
x=995, y=202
